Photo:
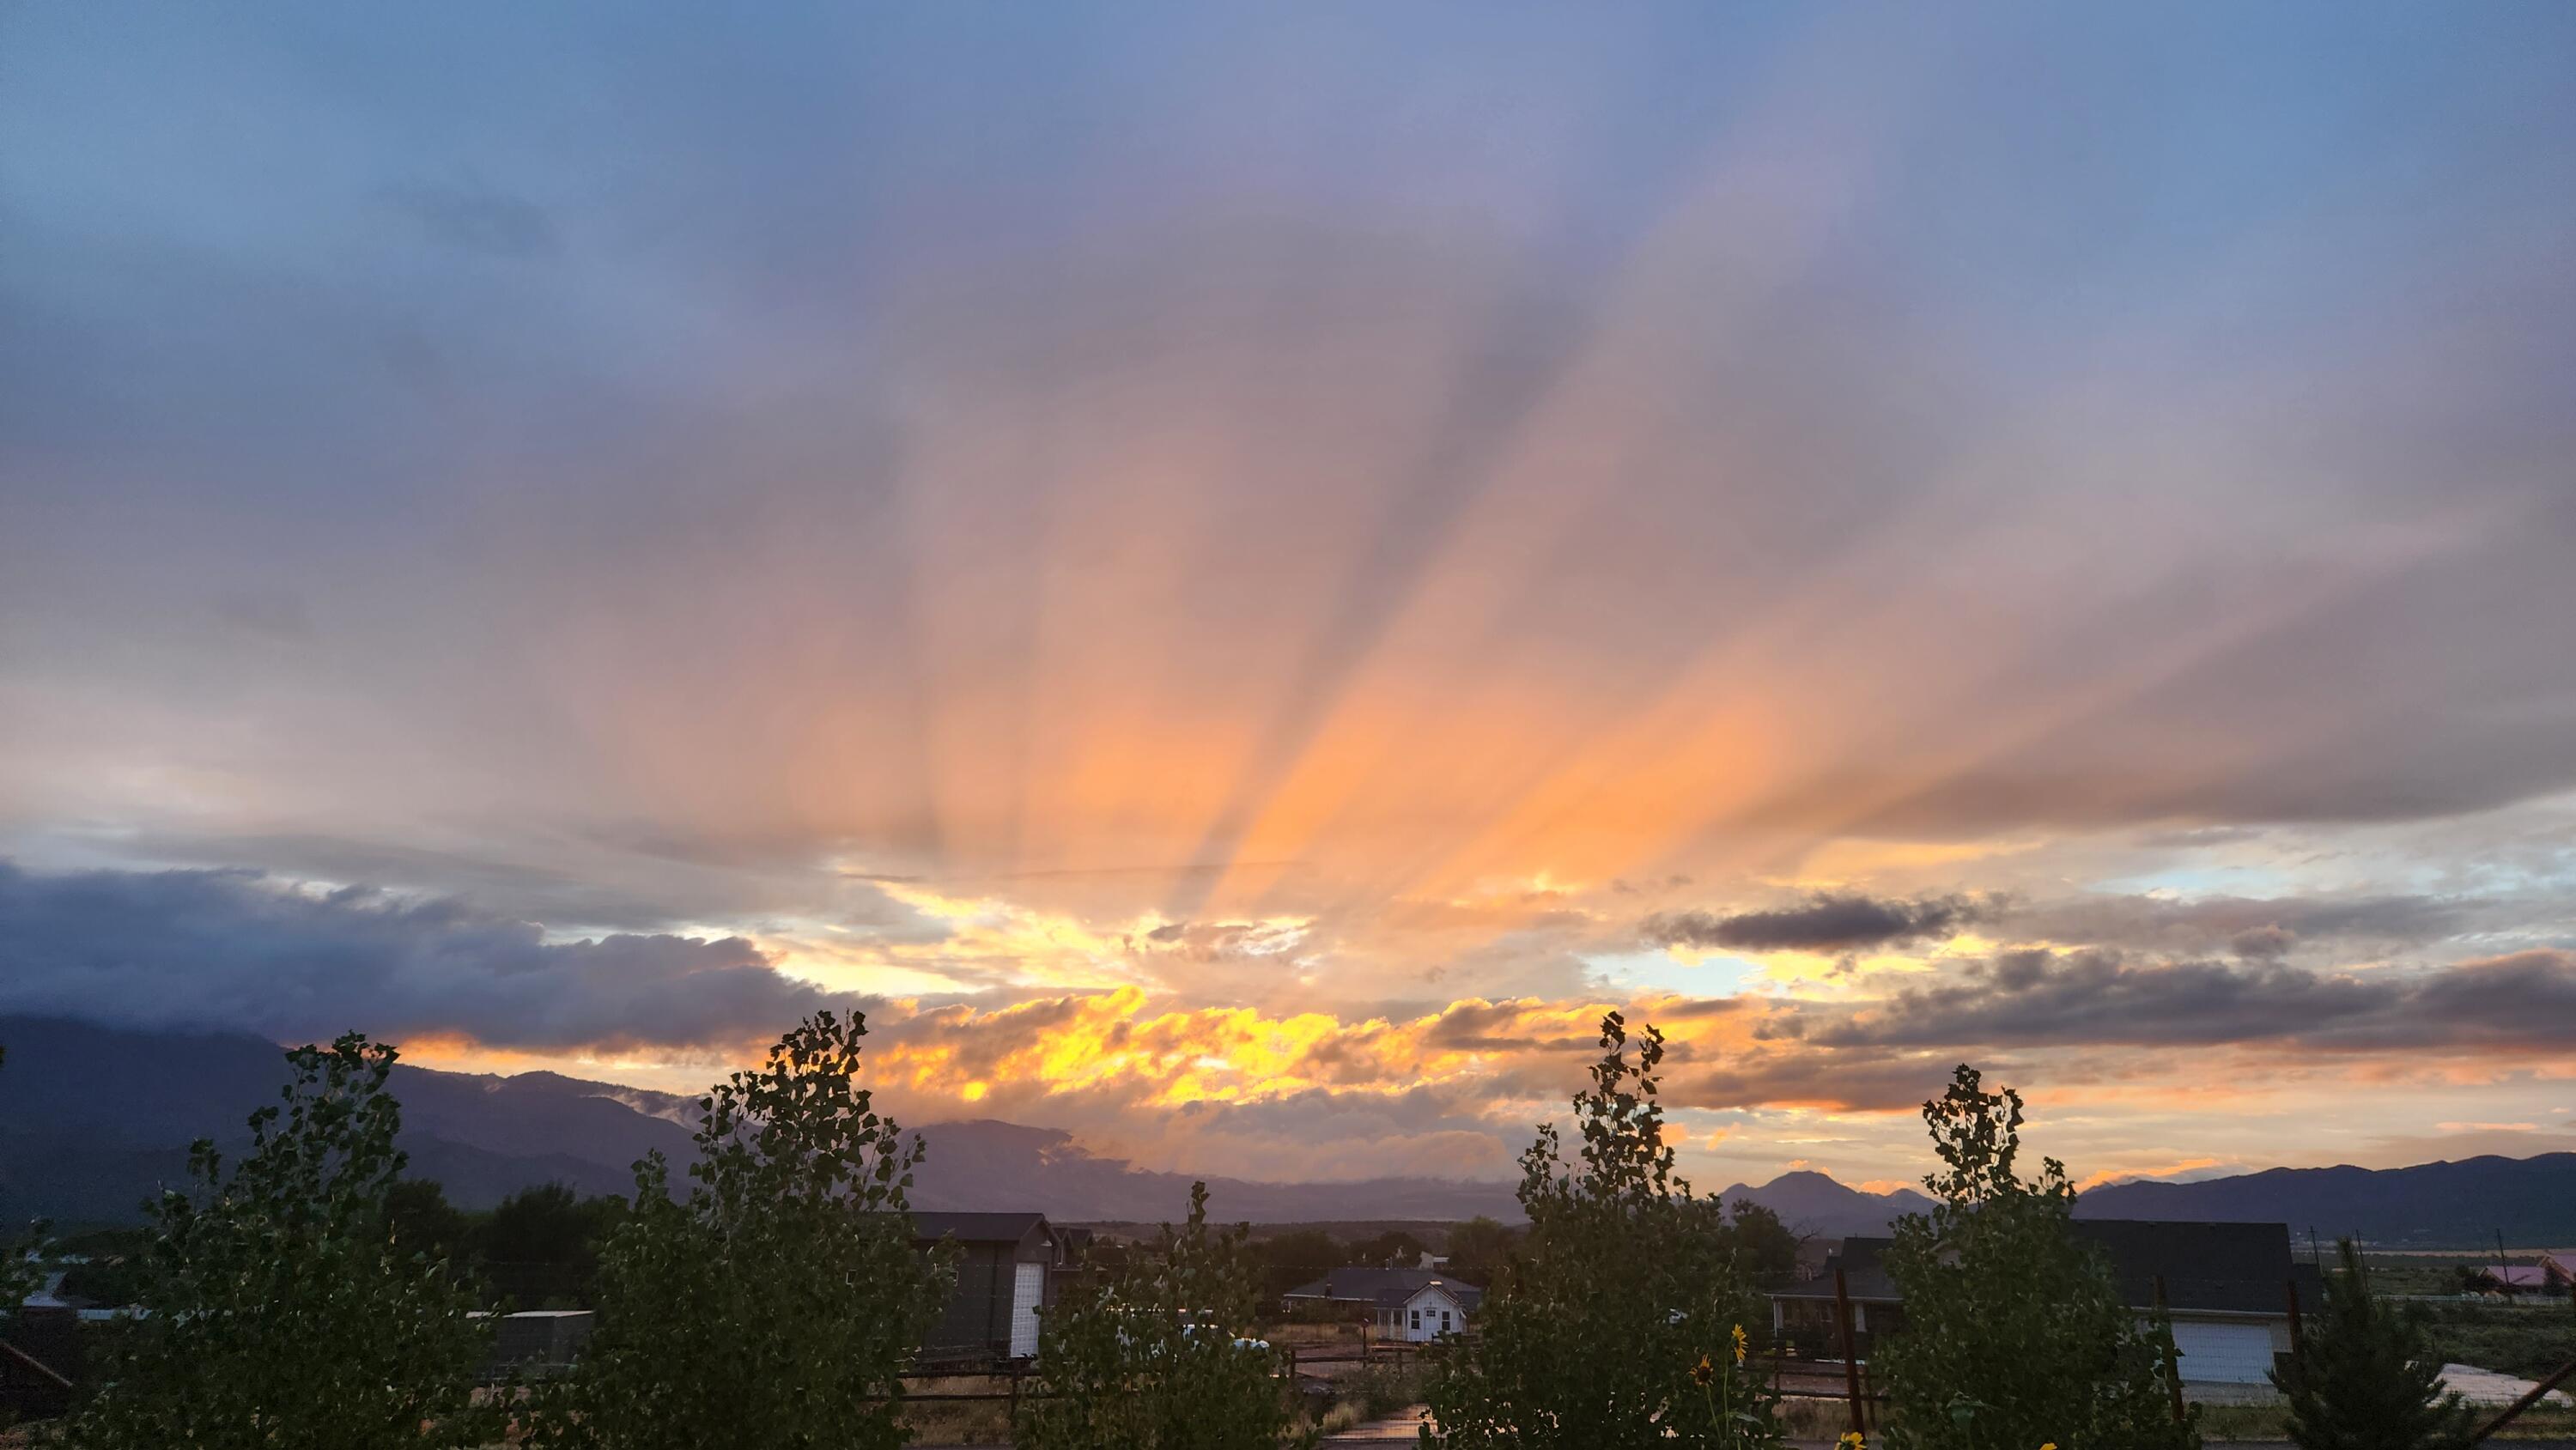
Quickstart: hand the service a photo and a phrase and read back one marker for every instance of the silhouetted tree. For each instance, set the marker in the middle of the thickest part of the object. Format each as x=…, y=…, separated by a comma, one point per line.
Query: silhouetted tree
x=420, y=1220
x=541, y=1245
x=1294, y=1258
x=1623, y=1324
x=778, y=1302
x=2016, y=1333
x=1158, y=1357
x=2363, y=1378
x=19, y=1269
x=276, y=1311
x=1477, y=1249
x=1763, y=1244
x=1392, y=1248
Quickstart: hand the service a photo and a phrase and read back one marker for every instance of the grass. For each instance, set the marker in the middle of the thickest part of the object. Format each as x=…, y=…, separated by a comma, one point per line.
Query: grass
x=2510, y=1339
x=984, y=1422
x=2265, y=1422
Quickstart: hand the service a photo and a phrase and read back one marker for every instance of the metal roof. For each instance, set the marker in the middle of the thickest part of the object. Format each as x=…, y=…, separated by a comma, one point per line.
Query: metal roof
x=1386, y=1288
x=977, y=1228
x=2218, y=1268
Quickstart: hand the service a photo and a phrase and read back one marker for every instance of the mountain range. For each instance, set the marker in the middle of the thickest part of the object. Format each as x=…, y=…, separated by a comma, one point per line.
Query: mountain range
x=93, y=1119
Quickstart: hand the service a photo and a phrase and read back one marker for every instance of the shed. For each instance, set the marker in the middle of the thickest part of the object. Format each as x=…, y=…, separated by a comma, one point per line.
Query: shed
x=1004, y=1264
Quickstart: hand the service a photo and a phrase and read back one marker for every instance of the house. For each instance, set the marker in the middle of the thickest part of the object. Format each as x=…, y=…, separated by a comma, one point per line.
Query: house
x=2227, y=1287
x=1005, y=1275
x=2552, y=1275
x=1409, y=1304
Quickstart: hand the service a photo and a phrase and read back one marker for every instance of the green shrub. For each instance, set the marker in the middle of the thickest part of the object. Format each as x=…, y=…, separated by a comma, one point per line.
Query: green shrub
x=776, y=1304
x=2363, y=1379
x=1621, y=1323
x=2016, y=1333
x=1158, y=1356
x=275, y=1311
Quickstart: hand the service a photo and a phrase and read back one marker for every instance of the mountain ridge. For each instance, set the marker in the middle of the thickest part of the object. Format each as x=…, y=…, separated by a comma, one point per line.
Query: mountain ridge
x=97, y=1119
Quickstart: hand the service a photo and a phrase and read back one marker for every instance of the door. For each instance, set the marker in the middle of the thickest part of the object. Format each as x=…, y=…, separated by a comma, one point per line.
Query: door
x=1028, y=1291
x=2224, y=1351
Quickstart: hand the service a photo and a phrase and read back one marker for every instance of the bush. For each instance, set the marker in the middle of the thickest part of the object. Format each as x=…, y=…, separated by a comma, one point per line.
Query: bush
x=1155, y=1358
x=2015, y=1331
x=276, y=1311
x=2363, y=1379
x=777, y=1303
x=1622, y=1323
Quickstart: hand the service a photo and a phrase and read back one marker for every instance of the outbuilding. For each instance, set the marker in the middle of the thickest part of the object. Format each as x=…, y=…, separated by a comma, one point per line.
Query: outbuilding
x=2226, y=1286
x=1005, y=1264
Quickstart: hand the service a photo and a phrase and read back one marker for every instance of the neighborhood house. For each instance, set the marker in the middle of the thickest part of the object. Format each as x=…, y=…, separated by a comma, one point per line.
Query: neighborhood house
x=2553, y=1275
x=2227, y=1286
x=1409, y=1304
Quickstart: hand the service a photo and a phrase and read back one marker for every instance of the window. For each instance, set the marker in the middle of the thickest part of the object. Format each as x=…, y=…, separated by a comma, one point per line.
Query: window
x=1444, y=1321
x=1417, y=1319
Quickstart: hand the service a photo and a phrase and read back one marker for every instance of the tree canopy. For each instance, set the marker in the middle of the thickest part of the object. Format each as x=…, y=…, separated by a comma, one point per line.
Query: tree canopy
x=275, y=1310
x=1624, y=1323
x=2016, y=1333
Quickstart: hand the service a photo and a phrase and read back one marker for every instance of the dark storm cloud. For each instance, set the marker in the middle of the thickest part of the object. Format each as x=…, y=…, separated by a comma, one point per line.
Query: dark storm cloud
x=2035, y=998
x=235, y=949
x=1827, y=922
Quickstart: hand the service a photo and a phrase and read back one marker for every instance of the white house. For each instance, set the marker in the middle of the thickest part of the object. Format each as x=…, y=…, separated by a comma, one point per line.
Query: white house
x=1409, y=1304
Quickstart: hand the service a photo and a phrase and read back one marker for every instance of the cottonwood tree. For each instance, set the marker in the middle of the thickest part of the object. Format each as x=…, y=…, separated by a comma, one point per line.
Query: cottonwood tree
x=1160, y=1356
x=1622, y=1322
x=2364, y=1378
x=2016, y=1333
x=275, y=1310
x=777, y=1302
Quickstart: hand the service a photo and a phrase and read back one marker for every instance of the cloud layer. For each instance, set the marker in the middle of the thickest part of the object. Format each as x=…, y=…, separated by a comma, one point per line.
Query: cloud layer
x=1237, y=576
x=232, y=949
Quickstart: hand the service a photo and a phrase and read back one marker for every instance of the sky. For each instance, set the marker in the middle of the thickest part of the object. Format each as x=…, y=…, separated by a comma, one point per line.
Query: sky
x=1233, y=577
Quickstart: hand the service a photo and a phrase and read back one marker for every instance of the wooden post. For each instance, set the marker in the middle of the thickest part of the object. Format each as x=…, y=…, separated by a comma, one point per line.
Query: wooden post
x=2296, y=1341
x=1851, y=1364
x=2173, y=1355
x=2529, y=1398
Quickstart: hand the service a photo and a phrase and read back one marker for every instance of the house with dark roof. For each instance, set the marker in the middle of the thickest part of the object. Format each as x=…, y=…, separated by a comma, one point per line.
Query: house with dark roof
x=2227, y=1286
x=1006, y=1265
x=2551, y=1275
x=1409, y=1304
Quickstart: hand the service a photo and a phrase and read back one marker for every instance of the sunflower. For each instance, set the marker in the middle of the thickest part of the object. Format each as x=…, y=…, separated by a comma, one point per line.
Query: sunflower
x=1739, y=1344
x=1703, y=1372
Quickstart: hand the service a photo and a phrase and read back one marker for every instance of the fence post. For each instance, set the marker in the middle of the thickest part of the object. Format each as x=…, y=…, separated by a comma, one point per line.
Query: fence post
x=2173, y=1355
x=2296, y=1338
x=1851, y=1364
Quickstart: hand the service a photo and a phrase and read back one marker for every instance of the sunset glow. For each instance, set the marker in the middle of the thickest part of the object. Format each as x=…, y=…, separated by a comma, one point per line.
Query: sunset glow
x=1235, y=581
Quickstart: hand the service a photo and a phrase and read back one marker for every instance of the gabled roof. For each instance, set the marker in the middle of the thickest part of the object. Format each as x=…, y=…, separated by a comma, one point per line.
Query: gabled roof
x=976, y=1228
x=2231, y=1268
x=1386, y=1288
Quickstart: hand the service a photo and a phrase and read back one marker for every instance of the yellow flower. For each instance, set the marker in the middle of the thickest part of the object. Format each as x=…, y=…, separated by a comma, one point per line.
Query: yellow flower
x=1850, y=1441
x=1739, y=1353
x=1703, y=1372
x=2048, y=1445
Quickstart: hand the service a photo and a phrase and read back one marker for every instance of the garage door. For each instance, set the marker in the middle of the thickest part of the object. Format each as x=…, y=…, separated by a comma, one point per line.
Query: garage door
x=2224, y=1351
x=1028, y=1290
